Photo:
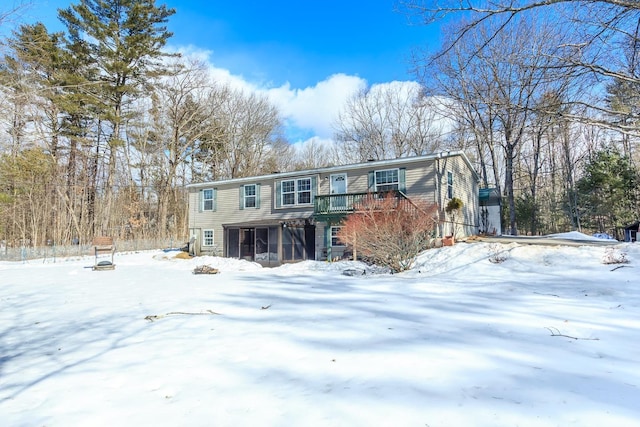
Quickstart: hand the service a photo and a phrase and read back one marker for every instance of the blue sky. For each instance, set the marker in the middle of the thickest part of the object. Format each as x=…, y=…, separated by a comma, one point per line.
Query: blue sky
x=302, y=42
x=291, y=48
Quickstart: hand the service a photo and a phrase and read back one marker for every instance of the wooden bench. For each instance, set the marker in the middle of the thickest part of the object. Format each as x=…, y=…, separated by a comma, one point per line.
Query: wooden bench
x=103, y=246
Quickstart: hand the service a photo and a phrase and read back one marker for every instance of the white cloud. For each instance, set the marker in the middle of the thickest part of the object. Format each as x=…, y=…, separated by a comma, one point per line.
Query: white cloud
x=313, y=141
x=217, y=74
x=308, y=112
x=404, y=89
x=315, y=108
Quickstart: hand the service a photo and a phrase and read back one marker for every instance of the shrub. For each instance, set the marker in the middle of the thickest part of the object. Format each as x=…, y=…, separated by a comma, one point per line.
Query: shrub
x=496, y=254
x=454, y=205
x=453, y=209
x=390, y=231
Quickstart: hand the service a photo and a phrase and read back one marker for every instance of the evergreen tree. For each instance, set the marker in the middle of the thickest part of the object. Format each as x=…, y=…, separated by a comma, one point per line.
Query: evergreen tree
x=37, y=56
x=122, y=40
x=623, y=98
x=608, y=191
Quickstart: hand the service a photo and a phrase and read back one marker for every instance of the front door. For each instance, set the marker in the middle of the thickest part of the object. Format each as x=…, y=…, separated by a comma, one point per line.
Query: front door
x=338, y=187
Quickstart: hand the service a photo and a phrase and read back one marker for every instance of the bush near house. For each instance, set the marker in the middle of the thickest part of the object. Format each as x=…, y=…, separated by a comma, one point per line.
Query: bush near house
x=390, y=231
x=453, y=209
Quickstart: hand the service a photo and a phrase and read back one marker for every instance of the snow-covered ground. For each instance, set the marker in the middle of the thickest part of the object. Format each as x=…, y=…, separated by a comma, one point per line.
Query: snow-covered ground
x=548, y=336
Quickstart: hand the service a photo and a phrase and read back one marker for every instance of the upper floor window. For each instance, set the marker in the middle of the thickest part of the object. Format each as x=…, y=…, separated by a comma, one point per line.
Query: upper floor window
x=289, y=192
x=296, y=192
x=208, y=199
x=304, y=191
x=250, y=196
x=450, y=184
x=387, y=180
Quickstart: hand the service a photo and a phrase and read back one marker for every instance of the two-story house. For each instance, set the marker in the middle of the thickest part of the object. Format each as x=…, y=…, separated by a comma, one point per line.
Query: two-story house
x=293, y=216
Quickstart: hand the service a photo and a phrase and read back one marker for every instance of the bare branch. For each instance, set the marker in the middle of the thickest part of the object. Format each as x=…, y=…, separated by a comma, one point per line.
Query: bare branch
x=556, y=333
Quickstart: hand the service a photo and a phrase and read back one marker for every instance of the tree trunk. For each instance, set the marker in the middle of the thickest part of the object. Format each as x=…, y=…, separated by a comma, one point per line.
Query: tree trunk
x=508, y=187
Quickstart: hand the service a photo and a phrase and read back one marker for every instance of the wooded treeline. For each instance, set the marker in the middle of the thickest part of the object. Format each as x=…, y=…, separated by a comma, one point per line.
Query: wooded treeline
x=102, y=127
x=545, y=95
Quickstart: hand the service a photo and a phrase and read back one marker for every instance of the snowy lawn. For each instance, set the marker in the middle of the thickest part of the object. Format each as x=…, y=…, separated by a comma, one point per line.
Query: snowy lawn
x=548, y=337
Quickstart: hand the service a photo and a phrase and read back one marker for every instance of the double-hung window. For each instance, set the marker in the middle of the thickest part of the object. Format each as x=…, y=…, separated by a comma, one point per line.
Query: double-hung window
x=207, y=199
x=288, y=192
x=335, y=240
x=387, y=180
x=304, y=191
x=296, y=192
x=250, y=196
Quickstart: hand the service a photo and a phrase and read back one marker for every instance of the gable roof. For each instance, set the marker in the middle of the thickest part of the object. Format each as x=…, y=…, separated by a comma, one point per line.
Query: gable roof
x=375, y=163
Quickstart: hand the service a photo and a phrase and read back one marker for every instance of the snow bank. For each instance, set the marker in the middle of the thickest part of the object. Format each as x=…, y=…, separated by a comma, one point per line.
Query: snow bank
x=548, y=336
x=222, y=264
x=574, y=235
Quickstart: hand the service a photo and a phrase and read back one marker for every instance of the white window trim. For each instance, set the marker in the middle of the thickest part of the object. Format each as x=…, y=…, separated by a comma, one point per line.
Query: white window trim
x=375, y=178
x=205, y=200
x=346, y=182
x=336, y=228
x=204, y=237
x=296, y=192
x=254, y=196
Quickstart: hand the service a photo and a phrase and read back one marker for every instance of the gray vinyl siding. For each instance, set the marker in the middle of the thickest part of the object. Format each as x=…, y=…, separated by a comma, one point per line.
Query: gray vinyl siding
x=228, y=211
x=465, y=187
x=356, y=181
x=420, y=179
x=200, y=220
x=425, y=179
x=422, y=182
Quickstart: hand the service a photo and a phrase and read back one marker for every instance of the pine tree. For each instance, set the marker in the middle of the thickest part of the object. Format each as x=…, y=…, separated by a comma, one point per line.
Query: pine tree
x=123, y=41
x=608, y=192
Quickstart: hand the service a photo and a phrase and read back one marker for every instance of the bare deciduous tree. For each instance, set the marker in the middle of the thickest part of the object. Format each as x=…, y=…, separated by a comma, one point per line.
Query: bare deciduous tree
x=120, y=128
x=244, y=127
x=314, y=154
x=494, y=89
x=8, y=12
x=181, y=114
x=385, y=122
x=599, y=35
